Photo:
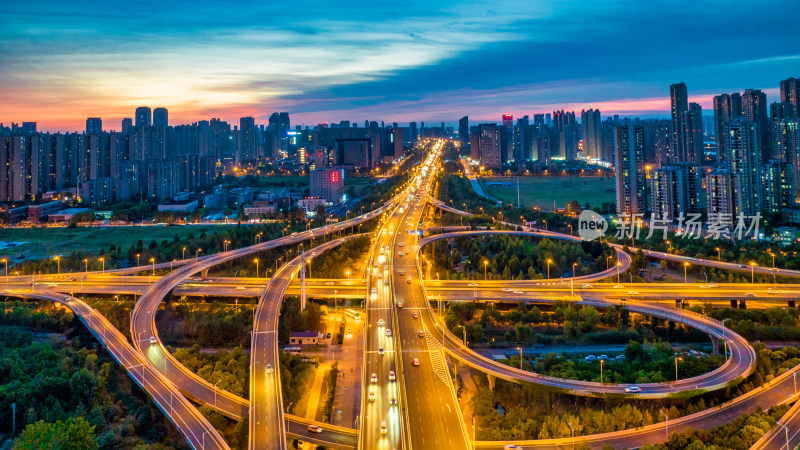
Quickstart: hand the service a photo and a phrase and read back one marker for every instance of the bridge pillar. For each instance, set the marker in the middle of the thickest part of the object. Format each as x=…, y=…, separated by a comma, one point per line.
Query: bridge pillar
x=204, y=273
x=302, y=282
x=491, y=381
x=715, y=345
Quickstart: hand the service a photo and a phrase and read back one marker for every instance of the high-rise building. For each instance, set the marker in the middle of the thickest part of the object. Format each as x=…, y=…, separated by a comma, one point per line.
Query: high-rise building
x=786, y=146
x=754, y=109
x=790, y=92
x=489, y=146
x=630, y=176
x=94, y=125
x=726, y=108
x=719, y=195
x=143, y=117
x=280, y=124
x=566, y=132
x=592, y=133
x=522, y=140
x=160, y=117
x=356, y=153
x=693, y=135
x=247, y=145
x=327, y=184
x=397, y=141
x=778, y=186
x=679, y=101
x=743, y=158
x=508, y=120
x=127, y=125
x=463, y=131
x=675, y=190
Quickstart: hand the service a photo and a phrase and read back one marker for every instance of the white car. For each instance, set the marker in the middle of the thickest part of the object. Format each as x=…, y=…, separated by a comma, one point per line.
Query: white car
x=391, y=375
x=240, y=288
x=415, y=362
x=372, y=396
x=512, y=447
x=269, y=368
x=590, y=358
x=473, y=285
x=381, y=322
x=153, y=340
x=633, y=389
x=518, y=292
x=373, y=378
x=384, y=429
x=388, y=332
x=506, y=290
x=633, y=293
x=315, y=429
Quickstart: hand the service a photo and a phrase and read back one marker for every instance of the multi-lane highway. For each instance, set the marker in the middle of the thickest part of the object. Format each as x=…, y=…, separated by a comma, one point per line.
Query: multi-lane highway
x=433, y=414
x=267, y=424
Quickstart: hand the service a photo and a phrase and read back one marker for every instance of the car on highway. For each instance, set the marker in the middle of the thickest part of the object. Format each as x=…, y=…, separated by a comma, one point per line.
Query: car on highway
x=421, y=333
x=153, y=340
x=590, y=358
x=603, y=357
x=385, y=281
x=473, y=285
x=329, y=283
x=399, y=253
x=631, y=389
x=506, y=290
x=587, y=286
x=393, y=402
x=240, y=288
x=633, y=293
x=512, y=447
x=372, y=396
x=380, y=351
x=269, y=368
x=415, y=362
x=408, y=281
x=373, y=378
x=400, y=305
x=383, y=427
x=402, y=274
x=380, y=322
x=314, y=429
x=391, y=375
x=518, y=292
x=415, y=315
x=388, y=332
x=374, y=290
x=619, y=286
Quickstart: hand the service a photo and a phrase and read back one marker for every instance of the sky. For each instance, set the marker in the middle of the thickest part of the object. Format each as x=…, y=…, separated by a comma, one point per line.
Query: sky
x=61, y=62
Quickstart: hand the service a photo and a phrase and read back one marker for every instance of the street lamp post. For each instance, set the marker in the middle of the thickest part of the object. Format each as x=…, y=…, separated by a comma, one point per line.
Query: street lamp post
x=573, y=269
x=619, y=264
x=573, y=434
x=86, y=264
x=256, y=260
x=601, y=370
x=5, y=263
x=752, y=273
x=548, y=267
x=58, y=264
x=719, y=254
x=485, y=264
x=520, y=355
x=677, y=358
x=667, y=421
x=102, y=260
x=184, y=253
x=197, y=253
x=348, y=273
x=153, y=261
x=685, y=278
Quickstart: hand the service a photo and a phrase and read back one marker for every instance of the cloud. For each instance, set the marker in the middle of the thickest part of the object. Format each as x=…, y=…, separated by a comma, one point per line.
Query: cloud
x=322, y=60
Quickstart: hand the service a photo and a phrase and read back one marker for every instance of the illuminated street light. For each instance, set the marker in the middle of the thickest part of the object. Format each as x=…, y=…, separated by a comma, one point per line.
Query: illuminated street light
x=548, y=267
x=256, y=261
x=677, y=358
x=58, y=264
x=153, y=261
x=485, y=264
x=685, y=266
x=348, y=273
x=137, y=260
x=752, y=273
x=102, y=260
x=719, y=254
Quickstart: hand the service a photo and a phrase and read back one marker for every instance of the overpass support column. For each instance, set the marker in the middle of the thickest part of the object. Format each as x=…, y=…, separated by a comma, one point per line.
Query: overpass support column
x=302, y=282
x=204, y=273
x=715, y=345
x=491, y=381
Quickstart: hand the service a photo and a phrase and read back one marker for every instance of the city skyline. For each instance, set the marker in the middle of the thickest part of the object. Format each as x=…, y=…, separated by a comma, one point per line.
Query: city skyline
x=423, y=63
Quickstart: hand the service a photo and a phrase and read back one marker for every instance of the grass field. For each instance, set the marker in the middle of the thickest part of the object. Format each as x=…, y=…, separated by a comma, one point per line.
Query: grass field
x=543, y=191
x=45, y=242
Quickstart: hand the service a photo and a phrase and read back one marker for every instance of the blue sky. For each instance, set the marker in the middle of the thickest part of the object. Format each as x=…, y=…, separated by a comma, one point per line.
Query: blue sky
x=395, y=61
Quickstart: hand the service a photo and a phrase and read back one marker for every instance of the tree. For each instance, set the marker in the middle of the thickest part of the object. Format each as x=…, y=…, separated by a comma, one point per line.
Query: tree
x=74, y=433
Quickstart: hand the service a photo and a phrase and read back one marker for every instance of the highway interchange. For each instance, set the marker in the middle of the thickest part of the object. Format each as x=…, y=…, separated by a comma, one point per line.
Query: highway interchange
x=418, y=408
